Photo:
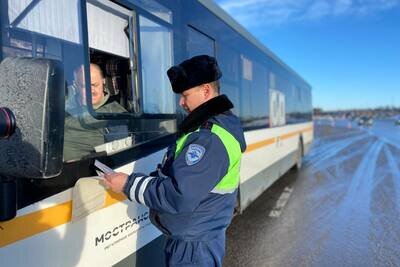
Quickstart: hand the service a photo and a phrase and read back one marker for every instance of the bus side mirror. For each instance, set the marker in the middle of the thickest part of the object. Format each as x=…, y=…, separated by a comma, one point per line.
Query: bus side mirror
x=33, y=89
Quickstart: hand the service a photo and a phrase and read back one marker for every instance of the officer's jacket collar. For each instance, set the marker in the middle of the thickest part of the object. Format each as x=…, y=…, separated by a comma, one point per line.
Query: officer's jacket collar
x=202, y=113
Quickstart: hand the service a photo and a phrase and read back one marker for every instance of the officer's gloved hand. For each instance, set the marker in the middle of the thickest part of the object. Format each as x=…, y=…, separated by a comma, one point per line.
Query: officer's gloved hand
x=157, y=172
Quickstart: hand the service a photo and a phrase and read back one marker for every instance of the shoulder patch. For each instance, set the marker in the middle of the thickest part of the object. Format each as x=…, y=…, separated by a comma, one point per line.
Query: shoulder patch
x=194, y=154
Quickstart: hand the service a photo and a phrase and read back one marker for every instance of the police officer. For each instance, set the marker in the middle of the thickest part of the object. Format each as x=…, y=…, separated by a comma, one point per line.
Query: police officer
x=193, y=193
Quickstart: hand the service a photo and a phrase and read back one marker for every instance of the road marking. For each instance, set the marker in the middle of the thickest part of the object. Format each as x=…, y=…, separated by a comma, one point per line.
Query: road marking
x=280, y=204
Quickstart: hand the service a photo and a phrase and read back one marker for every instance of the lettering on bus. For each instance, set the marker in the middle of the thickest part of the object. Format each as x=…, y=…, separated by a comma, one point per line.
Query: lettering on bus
x=122, y=228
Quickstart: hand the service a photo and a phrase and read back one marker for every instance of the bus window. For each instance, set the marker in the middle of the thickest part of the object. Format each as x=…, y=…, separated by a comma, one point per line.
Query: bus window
x=156, y=59
x=24, y=33
x=110, y=41
x=155, y=8
x=277, y=108
x=98, y=118
x=108, y=89
x=156, y=94
x=199, y=43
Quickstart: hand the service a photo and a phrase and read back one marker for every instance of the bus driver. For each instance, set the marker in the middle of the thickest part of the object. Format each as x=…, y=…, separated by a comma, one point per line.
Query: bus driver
x=83, y=132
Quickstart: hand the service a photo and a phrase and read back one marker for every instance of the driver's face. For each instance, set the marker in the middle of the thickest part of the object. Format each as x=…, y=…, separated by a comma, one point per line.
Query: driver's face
x=97, y=85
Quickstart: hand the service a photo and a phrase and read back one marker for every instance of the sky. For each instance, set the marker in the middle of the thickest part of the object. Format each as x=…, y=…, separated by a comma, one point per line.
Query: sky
x=348, y=50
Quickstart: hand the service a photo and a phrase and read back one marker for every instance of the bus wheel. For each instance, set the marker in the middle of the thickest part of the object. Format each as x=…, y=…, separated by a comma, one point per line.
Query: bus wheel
x=299, y=155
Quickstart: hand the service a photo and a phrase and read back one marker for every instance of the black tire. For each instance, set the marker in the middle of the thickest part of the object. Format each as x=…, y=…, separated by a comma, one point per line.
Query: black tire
x=299, y=155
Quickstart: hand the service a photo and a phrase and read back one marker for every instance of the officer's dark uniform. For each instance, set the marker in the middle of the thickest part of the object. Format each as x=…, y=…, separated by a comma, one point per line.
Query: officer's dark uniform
x=192, y=196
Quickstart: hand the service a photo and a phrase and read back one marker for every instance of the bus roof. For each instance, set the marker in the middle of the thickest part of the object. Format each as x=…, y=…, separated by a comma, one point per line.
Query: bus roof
x=219, y=12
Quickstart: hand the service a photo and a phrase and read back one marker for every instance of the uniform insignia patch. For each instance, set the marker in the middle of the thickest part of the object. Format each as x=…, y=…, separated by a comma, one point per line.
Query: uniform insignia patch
x=194, y=154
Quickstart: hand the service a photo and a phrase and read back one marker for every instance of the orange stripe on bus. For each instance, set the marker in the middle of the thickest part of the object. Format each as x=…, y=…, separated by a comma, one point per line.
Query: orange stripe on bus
x=36, y=222
x=271, y=141
x=260, y=144
x=40, y=221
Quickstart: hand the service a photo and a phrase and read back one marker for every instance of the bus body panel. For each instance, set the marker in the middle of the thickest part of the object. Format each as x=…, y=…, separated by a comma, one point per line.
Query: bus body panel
x=270, y=154
x=103, y=238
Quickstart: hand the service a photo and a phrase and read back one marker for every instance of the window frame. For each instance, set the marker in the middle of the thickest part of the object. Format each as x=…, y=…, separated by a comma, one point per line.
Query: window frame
x=201, y=33
x=144, y=147
x=154, y=19
x=134, y=59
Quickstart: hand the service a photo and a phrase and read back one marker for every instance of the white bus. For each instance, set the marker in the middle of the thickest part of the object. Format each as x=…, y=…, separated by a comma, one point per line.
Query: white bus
x=46, y=48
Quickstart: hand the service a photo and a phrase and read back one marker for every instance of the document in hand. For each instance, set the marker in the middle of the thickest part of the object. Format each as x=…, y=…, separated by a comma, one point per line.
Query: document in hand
x=103, y=169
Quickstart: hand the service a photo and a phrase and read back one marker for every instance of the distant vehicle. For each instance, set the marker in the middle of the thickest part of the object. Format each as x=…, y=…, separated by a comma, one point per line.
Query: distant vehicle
x=365, y=121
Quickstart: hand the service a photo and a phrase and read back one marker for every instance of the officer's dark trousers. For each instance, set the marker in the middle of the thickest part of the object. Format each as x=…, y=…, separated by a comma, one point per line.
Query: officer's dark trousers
x=199, y=252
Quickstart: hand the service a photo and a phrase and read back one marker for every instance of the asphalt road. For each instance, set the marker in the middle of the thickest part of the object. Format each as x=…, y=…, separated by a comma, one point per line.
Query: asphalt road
x=342, y=209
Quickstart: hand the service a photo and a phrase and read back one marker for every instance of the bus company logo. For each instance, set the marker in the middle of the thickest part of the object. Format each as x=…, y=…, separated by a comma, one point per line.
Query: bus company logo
x=117, y=231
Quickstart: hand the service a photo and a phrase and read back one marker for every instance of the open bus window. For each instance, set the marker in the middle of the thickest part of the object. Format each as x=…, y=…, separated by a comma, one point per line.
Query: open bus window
x=83, y=132
x=117, y=87
x=106, y=93
x=110, y=49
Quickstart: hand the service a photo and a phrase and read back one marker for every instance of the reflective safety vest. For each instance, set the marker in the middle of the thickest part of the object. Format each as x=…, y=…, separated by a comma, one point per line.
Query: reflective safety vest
x=230, y=181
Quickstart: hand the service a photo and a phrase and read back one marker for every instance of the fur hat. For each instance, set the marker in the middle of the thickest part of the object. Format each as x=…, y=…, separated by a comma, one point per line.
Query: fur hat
x=193, y=72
